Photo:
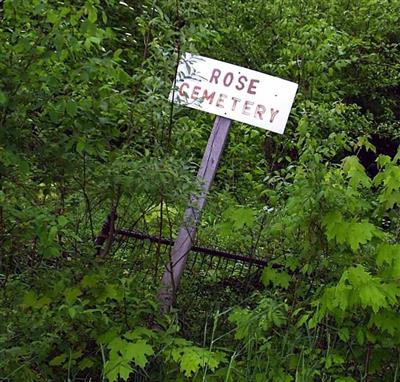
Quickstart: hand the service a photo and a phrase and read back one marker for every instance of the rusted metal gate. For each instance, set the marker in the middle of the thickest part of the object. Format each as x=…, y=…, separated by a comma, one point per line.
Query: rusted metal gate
x=220, y=265
x=213, y=278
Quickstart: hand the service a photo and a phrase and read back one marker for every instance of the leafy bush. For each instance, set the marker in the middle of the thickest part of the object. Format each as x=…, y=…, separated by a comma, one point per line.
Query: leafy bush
x=86, y=131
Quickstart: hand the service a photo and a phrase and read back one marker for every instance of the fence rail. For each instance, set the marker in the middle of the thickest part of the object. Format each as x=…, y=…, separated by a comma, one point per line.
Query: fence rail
x=199, y=249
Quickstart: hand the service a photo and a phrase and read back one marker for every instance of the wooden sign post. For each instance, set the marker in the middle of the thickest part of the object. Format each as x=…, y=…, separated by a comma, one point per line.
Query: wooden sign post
x=187, y=233
x=232, y=93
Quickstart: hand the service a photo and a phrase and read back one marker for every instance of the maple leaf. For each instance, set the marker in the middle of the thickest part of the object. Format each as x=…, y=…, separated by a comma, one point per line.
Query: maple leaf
x=117, y=367
x=190, y=361
x=390, y=199
x=383, y=160
x=373, y=296
x=139, y=333
x=90, y=280
x=110, y=291
x=356, y=172
x=117, y=345
x=369, y=289
x=138, y=352
x=122, y=353
x=387, y=253
x=277, y=278
x=342, y=297
x=238, y=217
x=360, y=233
x=351, y=232
x=386, y=321
x=241, y=317
x=392, y=178
x=332, y=221
x=192, y=358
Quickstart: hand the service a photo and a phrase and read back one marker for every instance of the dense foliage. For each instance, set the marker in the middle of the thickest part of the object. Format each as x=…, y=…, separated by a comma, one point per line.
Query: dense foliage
x=86, y=131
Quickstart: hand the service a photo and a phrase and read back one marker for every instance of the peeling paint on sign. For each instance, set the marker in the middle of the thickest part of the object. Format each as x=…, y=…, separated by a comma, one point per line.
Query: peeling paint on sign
x=233, y=92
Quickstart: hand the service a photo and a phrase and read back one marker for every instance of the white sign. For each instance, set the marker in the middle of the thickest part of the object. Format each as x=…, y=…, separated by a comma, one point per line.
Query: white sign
x=233, y=92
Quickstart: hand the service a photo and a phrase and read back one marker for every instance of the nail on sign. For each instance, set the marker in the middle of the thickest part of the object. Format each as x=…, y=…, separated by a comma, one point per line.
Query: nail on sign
x=233, y=92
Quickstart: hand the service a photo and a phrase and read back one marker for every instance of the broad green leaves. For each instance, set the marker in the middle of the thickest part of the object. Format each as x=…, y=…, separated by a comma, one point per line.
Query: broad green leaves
x=388, y=254
x=3, y=98
x=351, y=232
x=133, y=350
x=116, y=368
x=235, y=219
x=85, y=124
x=71, y=108
x=388, y=258
x=356, y=172
x=191, y=359
x=359, y=288
x=277, y=278
x=388, y=180
x=122, y=353
x=254, y=324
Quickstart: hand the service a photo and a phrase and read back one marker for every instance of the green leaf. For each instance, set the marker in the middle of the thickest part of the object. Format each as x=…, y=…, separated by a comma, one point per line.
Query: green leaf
x=53, y=233
x=351, y=232
x=43, y=301
x=71, y=108
x=372, y=295
x=192, y=358
x=360, y=233
x=86, y=363
x=139, y=333
x=80, y=146
x=117, y=367
x=360, y=336
x=110, y=291
x=53, y=17
x=92, y=13
x=388, y=253
x=368, y=290
x=123, y=352
x=386, y=321
x=117, y=345
x=138, y=352
x=364, y=142
x=277, y=278
x=238, y=217
x=333, y=221
x=190, y=361
x=116, y=55
x=356, y=172
x=303, y=319
x=72, y=312
x=344, y=334
x=241, y=317
x=71, y=294
x=59, y=360
x=89, y=281
x=59, y=42
x=62, y=221
x=3, y=98
x=107, y=337
x=383, y=160
x=29, y=300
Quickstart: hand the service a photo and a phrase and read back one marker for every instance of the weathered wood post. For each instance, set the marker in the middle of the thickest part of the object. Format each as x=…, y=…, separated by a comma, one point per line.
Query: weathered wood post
x=187, y=233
